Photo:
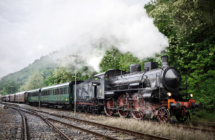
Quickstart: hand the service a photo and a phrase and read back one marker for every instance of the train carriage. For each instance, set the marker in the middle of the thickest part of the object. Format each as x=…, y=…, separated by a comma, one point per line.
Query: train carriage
x=7, y=98
x=20, y=97
x=32, y=96
x=3, y=98
x=58, y=95
x=12, y=98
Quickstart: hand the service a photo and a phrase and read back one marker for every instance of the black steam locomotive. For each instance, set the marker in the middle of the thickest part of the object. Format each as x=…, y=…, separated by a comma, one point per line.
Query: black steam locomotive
x=152, y=92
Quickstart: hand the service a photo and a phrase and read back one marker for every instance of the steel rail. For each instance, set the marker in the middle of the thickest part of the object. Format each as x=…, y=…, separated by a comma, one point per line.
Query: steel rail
x=130, y=132
x=193, y=128
x=24, y=126
x=76, y=127
x=86, y=130
x=47, y=122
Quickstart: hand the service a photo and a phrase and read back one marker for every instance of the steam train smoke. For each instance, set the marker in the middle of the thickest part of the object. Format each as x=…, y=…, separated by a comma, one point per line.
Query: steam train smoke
x=40, y=27
x=128, y=28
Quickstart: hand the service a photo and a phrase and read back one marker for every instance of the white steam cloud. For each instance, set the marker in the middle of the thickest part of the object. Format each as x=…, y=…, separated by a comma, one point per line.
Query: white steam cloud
x=30, y=29
x=126, y=27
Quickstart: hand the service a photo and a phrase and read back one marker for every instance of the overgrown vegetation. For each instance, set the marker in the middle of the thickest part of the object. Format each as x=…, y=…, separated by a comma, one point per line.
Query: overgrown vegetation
x=162, y=130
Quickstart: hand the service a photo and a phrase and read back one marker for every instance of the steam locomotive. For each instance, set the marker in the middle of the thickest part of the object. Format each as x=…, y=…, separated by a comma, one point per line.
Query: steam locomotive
x=154, y=92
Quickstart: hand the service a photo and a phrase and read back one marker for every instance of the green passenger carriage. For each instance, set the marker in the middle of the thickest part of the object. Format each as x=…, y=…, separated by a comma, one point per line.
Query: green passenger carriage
x=32, y=96
x=57, y=95
x=60, y=95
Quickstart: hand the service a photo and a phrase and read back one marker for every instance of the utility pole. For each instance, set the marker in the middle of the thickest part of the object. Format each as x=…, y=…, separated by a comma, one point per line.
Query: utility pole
x=11, y=87
x=76, y=56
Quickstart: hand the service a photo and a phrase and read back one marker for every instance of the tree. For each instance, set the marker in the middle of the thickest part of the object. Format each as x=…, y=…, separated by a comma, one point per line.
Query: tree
x=10, y=88
x=190, y=27
x=34, y=81
x=114, y=59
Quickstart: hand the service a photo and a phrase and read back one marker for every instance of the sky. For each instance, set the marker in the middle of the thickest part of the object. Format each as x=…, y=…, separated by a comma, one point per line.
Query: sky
x=31, y=29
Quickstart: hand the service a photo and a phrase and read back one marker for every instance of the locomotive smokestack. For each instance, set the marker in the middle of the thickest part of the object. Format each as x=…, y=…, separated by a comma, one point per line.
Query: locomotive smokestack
x=165, y=60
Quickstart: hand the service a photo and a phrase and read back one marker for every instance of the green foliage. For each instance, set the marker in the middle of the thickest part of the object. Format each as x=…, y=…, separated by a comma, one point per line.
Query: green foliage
x=190, y=27
x=34, y=81
x=62, y=75
x=59, y=76
x=114, y=59
x=10, y=88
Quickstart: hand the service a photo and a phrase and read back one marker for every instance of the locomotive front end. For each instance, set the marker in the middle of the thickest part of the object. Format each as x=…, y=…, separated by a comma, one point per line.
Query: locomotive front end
x=176, y=104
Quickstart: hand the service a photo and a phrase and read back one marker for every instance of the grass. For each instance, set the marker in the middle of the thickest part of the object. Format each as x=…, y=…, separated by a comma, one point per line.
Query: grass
x=162, y=130
x=203, y=116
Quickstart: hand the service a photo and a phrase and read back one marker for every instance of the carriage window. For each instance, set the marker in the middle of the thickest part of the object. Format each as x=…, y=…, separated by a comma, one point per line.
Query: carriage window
x=65, y=91
x=62, y=90
x=57, y=91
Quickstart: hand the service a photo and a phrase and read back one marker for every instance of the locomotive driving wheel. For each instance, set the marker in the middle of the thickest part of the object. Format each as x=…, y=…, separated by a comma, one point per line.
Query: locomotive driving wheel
x=183, y=116
x=139, y=107
x=163, y=115
x=122, y=102
x=109, y=104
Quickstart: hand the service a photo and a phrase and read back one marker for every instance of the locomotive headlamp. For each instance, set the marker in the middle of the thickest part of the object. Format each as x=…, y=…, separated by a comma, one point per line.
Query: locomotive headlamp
x=191, y=95
x=169, y=94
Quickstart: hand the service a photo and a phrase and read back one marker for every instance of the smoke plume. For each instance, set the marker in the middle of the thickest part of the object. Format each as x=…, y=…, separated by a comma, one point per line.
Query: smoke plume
x=30, y=29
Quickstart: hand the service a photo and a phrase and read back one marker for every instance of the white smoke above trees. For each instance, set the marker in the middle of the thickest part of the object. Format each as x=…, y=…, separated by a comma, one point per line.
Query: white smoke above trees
x=30, y=29
x=128, y=28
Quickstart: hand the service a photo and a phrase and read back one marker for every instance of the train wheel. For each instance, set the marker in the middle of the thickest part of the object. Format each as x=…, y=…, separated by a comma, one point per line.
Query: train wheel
x=95, y=110
x=122, y=102
x=109, y=104
x=139, y=114
x=181, y=119
x=78, y=109
x=184, y=116
x=163, y=115
x=86, y=109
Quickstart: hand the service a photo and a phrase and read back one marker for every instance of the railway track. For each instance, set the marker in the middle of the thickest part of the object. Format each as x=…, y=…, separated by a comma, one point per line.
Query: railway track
x=174, y=123
x=24, y=134
x=134, y=134
x=42, y=118
x=156, y=123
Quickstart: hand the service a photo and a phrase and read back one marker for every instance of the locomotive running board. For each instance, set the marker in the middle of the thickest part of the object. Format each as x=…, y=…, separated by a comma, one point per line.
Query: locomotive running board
x=134, y=89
